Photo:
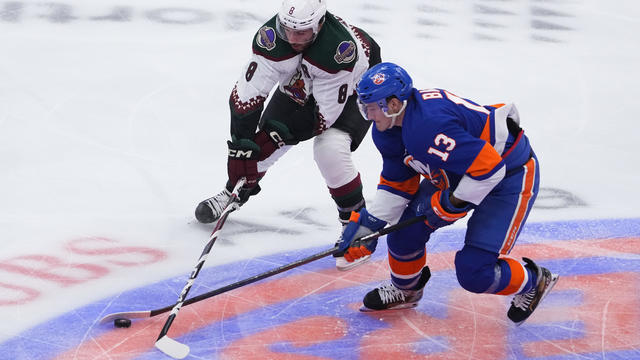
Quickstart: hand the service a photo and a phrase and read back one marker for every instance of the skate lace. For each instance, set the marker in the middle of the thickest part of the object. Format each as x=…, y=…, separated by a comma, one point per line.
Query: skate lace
x=522, y=301
x=389, y=294
x=218, y=202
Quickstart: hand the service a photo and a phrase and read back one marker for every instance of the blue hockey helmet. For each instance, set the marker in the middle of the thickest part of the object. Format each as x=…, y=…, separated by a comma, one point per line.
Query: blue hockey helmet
x=382, y=81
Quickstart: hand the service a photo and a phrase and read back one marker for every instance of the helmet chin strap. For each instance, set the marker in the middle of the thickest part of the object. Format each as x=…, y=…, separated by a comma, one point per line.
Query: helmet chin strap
x=395, y=116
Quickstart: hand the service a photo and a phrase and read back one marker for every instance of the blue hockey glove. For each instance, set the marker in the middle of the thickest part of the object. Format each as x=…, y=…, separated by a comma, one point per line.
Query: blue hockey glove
x=360, y=224
x=439, y=210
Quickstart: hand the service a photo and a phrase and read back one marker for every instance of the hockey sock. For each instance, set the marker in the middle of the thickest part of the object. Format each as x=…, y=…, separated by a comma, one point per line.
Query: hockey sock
x=514, y=277
x=348, y=198
x=406, y=269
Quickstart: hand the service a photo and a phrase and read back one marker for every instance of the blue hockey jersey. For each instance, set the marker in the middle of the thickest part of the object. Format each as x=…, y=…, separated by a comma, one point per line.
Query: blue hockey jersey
x=452, y=141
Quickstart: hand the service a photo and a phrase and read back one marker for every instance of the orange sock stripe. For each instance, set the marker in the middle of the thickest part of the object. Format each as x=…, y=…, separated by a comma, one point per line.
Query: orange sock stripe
x=404, y=268
x=523, y=205
x=518, y=277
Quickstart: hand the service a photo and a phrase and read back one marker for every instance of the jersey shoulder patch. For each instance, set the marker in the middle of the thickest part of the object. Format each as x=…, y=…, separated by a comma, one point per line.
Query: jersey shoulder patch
x=335, y=48
x=267, y=43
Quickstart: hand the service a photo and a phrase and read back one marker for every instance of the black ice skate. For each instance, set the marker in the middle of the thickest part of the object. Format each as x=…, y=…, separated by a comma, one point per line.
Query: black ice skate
x=523, y=305
x=389, y=297
x=210, y=210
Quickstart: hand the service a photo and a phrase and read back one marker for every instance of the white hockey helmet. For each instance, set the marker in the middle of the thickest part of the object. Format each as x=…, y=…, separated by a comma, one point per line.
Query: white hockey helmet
x=300, y=15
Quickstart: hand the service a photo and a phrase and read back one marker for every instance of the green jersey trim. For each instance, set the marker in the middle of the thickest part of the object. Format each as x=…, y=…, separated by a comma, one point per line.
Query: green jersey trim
x=334, y=49
x=266, y=43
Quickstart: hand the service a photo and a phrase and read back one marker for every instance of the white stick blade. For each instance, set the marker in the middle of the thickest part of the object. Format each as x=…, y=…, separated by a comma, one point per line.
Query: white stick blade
x=172, y=348
x=125, y=315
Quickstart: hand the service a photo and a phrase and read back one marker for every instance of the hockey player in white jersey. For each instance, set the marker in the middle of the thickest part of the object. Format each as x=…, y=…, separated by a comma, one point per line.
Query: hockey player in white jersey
x=316, y=59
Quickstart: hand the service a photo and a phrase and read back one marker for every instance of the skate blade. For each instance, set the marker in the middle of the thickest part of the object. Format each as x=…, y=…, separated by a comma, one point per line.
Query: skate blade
x=397, y=307
x=343, y=265
x=554, y=280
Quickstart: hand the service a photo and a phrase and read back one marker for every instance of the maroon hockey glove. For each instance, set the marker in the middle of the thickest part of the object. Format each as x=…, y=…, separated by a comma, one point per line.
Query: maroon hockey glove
x=243, y=162
x=244, y=155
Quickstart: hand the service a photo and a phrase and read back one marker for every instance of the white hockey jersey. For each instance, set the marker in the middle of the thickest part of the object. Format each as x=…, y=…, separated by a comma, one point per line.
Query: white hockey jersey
x=328, y=69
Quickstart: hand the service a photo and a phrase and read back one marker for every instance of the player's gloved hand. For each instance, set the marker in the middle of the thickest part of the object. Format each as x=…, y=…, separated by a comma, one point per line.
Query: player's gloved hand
x=439, y=210
x=243, y=162
x=360, y=224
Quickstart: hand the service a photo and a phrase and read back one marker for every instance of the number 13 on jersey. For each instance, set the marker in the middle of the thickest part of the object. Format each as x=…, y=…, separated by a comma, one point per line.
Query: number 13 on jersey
x=442, y=139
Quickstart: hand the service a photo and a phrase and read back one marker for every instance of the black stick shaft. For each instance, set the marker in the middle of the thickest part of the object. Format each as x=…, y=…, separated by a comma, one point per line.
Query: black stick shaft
x=203, y=257
x=286, y=267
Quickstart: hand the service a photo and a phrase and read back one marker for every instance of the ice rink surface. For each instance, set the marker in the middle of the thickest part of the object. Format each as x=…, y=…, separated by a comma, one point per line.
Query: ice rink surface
x=113, y=121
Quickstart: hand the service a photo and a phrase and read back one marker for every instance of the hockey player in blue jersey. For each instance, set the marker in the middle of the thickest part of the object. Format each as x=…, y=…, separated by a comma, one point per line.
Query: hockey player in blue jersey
x=472, y=157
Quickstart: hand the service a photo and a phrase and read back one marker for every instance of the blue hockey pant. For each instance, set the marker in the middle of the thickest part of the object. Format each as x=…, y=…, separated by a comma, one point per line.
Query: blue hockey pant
x=482, y=265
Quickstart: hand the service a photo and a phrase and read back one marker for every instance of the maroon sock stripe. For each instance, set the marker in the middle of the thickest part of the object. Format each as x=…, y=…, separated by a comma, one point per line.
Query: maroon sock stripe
x=346, y=189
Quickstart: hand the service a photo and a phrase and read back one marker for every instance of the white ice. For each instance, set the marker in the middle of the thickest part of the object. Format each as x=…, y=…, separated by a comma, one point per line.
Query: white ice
x=117, y=129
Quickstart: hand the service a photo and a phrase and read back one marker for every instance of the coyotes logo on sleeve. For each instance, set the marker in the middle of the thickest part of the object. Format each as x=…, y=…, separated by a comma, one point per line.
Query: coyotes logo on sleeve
x=345, y=53
x=266, y=38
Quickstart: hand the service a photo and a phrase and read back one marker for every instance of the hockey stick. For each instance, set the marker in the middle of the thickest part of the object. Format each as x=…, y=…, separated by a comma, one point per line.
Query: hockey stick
x=151, y=313
x=164, y=343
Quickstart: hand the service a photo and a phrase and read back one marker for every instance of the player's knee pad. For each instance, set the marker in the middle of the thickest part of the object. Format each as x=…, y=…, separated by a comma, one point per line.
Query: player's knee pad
x=333, y=157
x=475, y=269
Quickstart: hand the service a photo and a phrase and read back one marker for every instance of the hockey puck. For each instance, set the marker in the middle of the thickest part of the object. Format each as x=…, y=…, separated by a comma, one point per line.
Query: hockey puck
x=122, y=323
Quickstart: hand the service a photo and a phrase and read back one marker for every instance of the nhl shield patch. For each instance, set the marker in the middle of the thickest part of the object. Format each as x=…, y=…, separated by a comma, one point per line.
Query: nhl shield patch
x=266, y=38
x=346, y=52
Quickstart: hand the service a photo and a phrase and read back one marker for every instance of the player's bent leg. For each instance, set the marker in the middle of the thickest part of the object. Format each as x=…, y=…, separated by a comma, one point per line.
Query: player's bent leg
x=331, y=152
x=478, y=271
x=481, y=271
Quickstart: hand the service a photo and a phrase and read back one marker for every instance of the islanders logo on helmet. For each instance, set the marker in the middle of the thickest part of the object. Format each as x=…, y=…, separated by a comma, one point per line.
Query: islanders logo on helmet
x=378, y=78
x=345, y=53
x=266, y=38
